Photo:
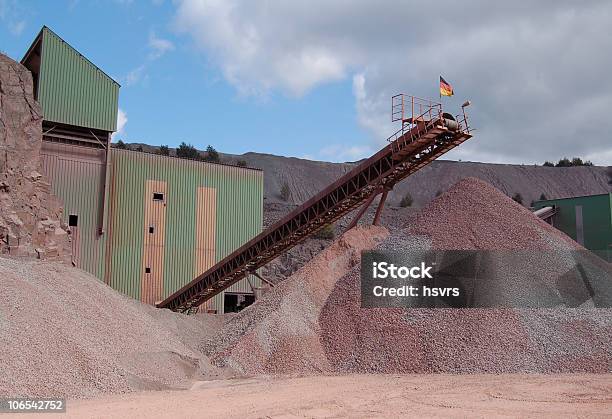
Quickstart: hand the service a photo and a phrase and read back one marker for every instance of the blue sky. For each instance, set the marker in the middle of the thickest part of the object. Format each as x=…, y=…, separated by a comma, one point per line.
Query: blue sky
x=314, y=78
x=176, y=94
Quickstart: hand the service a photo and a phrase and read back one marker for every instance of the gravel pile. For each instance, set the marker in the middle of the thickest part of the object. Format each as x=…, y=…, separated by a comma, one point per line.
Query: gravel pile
x=474, y=215
x=313, y=323
x=471, y=215
x=64, y=333
x=280, y=333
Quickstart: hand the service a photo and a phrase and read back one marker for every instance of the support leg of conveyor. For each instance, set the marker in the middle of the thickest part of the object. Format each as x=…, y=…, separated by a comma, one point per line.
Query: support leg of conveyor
x=362, y=211
x=263, y=279
x=381, y=204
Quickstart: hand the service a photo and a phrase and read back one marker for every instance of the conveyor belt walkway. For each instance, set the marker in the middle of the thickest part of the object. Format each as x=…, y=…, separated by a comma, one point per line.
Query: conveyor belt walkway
x=427, y=132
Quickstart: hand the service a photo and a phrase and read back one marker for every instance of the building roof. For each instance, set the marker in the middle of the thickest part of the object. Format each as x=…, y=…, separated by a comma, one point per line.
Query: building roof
x=39, y=39
x=69, y=87
x=573, y=197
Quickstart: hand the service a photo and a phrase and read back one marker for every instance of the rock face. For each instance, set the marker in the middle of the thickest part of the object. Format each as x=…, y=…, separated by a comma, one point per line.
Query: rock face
x=30, y=217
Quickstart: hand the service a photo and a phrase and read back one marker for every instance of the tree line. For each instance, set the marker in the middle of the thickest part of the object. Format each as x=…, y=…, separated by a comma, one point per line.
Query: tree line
x=183, y=151
x=565, y=162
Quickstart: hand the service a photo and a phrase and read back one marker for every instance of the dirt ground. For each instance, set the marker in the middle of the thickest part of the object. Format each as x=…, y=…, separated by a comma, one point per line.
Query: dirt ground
x=368, y=396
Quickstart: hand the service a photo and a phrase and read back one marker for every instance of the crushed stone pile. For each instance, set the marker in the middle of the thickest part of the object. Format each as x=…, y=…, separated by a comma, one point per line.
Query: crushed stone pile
x=473, y=215
x=280, y=332
x=64, y=333
x=313, y=322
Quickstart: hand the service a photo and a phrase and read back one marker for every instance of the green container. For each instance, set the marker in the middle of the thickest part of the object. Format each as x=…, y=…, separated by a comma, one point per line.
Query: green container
x=586, y=219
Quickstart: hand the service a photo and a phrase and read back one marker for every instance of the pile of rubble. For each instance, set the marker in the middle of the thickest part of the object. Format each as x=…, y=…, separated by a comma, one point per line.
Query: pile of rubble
x=313, y=322
x=65, y=333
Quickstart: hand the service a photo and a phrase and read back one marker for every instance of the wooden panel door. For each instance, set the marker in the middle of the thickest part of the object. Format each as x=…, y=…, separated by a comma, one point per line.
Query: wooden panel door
x=152, y=284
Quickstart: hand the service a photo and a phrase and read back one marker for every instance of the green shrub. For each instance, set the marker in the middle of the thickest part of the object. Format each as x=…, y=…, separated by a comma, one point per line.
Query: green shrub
x=326, y=233
x=241, y=163
x=285, y=192
x=211, y=154
x=187, y=151
x=406, y=200
x=163, y=150
x=575, y=161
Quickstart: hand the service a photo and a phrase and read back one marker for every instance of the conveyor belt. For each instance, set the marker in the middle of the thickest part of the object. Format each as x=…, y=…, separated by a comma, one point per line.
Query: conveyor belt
x=545, y=213
x=421, y=140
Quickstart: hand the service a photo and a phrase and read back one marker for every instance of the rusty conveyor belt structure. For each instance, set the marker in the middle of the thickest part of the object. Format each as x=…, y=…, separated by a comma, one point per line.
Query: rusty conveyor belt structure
x=426, y=133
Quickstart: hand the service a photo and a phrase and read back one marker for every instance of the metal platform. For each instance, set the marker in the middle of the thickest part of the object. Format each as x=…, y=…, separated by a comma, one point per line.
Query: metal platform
x=426, y=133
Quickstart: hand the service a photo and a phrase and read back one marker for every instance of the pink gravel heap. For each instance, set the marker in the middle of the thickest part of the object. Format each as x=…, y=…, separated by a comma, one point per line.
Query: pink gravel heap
x=471, y=215
x=280, y=332
x=474, y=215
x=313, y=323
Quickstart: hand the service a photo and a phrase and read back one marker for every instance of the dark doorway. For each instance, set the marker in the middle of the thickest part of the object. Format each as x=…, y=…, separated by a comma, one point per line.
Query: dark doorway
x=235, y=302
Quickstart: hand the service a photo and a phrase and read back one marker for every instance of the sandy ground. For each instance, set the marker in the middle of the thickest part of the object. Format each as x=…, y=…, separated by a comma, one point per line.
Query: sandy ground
x=367, y=396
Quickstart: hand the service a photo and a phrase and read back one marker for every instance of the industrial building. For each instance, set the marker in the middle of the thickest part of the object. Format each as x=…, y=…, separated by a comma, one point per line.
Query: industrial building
x=586, y=219
x=144, y=224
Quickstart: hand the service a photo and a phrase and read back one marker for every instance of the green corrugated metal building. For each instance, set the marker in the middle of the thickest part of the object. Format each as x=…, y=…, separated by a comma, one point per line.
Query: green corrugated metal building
x=586, y=219
x=145, y=224
x=184, y=216
x=71, y=89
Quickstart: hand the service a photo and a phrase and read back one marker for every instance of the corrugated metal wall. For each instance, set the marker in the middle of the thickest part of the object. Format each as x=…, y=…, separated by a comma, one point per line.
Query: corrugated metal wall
x=76, y=175
x=74, y=91
x=238, y=217
x=596, y=216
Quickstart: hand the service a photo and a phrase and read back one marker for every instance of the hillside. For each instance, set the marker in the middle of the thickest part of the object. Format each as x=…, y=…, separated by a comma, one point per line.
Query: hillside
x=306, y=177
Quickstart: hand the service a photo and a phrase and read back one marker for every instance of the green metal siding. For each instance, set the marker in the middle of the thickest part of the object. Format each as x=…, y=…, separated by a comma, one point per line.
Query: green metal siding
x=72, y=90
x=78, y=184
x=597, y=220
x=239, y=214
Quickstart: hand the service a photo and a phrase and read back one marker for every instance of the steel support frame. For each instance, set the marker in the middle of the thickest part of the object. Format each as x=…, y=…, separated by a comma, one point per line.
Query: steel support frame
x=384, y=169
x=381, y=204
x=362, y=211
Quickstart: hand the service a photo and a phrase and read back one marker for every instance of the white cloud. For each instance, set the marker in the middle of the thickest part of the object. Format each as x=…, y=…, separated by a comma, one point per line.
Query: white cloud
x=11, y=13
x=368, y=109
x=537, y=72
x=602, y=158
x=16, y=28
x=344, y=153
x=121, y=122
x=159, y=46
x=257, y=49
x=135, y=75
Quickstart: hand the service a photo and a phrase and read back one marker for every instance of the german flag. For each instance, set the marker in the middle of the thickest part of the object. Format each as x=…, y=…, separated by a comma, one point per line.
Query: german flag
x=445, y=88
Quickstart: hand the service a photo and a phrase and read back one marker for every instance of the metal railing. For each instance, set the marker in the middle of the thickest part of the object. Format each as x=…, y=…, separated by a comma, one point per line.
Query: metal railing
x=415, y=112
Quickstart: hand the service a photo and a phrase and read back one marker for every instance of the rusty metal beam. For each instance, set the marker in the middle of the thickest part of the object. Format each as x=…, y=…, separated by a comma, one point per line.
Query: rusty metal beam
x=362, y=211
x=263, y=279
x=381, y=204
